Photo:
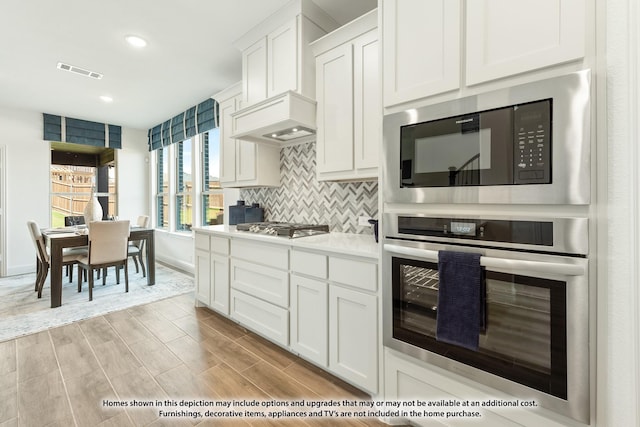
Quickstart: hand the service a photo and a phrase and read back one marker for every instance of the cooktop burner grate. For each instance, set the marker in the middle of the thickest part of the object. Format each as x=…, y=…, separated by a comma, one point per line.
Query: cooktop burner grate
x=283, y=229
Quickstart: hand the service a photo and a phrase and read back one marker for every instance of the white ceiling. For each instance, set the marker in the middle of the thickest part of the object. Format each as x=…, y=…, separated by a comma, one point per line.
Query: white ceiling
x=189, y=56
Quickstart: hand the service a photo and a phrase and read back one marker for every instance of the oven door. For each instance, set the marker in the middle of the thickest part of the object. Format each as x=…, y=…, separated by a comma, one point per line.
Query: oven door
x=534, y=332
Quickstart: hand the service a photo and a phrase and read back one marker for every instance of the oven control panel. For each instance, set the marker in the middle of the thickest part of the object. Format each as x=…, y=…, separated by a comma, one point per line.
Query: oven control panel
x=491, y=230
x=532, y=143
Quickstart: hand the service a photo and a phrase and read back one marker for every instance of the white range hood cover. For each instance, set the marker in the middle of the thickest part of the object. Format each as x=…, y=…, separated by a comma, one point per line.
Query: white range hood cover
x=285, y=118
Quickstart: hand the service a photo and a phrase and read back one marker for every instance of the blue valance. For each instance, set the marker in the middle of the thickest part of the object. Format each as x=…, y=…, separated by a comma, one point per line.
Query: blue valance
x=66, y=129
x=195, y=120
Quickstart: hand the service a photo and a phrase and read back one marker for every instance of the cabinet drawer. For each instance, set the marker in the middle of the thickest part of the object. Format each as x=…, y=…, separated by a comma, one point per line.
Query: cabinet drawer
x=272, y=255
x=262, y=317
x=260, y=281
x=220, y=245
x=202, y=241
x=359, y=274
x=309, y=263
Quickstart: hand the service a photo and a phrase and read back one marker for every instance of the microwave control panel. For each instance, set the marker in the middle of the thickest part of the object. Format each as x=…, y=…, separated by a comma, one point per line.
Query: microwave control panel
x=532, y=143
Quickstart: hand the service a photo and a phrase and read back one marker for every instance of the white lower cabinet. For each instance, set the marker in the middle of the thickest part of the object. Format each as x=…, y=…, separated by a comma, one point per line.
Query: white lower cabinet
x=219, y=299
x=265, y=318
x=212, y=271
x=203, y=276
x=353, y=336
x=320, y=305
x=310, y=319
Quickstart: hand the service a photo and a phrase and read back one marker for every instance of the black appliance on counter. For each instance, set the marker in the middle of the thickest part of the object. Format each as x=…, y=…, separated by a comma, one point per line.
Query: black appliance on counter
x=241, y=213
x=283, y=229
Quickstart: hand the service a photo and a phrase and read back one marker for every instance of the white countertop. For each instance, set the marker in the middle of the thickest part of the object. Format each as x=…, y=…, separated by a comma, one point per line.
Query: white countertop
x=362, y=245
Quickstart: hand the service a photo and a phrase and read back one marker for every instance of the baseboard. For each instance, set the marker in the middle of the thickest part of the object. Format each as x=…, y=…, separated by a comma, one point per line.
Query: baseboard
x=177, y=264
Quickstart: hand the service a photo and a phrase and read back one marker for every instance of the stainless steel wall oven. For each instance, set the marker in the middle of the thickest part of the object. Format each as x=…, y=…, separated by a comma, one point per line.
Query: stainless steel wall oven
x=532, y=331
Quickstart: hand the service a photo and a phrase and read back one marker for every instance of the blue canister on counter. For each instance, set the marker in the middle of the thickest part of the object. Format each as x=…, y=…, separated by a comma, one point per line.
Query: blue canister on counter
x=236, y=213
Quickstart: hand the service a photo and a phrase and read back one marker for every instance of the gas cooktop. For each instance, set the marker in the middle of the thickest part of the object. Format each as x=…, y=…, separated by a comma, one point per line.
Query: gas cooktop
x=283, y=229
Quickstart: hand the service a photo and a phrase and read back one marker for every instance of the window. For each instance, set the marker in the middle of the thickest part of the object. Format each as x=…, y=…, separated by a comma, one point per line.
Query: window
x=187, y=184
x=162, y=188
x=74, y=178
x=212, y=200
x=184, y=186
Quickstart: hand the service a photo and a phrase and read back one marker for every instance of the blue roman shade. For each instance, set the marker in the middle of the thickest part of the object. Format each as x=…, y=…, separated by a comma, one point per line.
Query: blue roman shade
x=77, y=131
x=195, y=120
x=155, y=138
x=177, y=128
x=190, y=122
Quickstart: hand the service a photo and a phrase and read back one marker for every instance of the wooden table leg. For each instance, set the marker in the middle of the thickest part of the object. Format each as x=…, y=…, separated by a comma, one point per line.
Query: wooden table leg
x=56, y=273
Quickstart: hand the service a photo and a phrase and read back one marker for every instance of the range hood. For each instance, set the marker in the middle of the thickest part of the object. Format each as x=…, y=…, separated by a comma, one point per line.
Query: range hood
x=287, y=118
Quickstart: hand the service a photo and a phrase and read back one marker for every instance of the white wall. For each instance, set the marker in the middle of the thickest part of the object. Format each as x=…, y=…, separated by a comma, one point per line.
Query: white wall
x=27, y=160
x=28, y=181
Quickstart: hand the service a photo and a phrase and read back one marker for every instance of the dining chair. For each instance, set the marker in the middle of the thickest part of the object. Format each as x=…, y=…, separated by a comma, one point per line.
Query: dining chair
x=43, y=259
x=136, y=247
x=108, y=241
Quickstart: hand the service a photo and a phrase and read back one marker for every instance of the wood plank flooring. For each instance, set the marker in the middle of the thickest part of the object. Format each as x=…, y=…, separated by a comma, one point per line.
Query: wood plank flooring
x=163, y=350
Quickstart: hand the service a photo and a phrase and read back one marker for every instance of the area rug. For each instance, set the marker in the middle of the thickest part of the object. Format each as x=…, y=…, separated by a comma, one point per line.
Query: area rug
x=21, y=312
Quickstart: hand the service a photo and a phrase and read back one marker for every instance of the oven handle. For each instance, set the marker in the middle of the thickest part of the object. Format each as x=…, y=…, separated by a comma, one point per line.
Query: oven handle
x=490, y=262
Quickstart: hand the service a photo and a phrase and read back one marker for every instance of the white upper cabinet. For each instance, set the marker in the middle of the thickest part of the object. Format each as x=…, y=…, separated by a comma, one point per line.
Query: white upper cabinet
x=424, y=50
x=507, y=37
x=243, y=163
x=421, y=48
x=349, y=108
x=282, y=59
x=254, y=72
x=275, y=54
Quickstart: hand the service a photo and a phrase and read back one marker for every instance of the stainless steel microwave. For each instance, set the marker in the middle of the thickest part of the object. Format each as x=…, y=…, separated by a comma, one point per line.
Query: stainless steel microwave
x=527, y=144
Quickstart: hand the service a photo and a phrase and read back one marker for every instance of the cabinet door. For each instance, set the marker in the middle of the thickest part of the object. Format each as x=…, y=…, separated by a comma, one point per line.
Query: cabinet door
x=421, y=45
x=203, y=276
x=254, y=72
x=245, y=160
x=282, y=62
x=353, y=336
x=220, y=283
x=334, y=92
x=309, y=322
x=507, y=37
x=367, y=104
x=227, y=144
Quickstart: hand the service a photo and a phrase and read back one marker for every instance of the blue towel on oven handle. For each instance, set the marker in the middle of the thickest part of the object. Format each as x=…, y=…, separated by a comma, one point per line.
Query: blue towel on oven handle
x=459, y=299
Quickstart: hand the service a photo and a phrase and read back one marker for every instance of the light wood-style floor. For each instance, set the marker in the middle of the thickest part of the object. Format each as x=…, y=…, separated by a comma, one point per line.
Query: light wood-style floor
x=163, y=350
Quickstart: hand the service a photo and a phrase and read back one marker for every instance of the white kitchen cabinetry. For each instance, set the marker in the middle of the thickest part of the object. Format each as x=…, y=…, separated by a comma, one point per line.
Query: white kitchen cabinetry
x=212, y=271
x=275, y=54
x=353, y=349
x=243, y=163
x=260, y=288
x=310, y=319
x=423, y=50
x=331, y=324
x=202, y=260
x=219, y=295
x=349, y=108
x=421, y=45
x=508, y=37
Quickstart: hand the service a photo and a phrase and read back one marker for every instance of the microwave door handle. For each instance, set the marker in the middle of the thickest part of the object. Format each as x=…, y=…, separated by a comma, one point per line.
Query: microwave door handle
x=515, y=265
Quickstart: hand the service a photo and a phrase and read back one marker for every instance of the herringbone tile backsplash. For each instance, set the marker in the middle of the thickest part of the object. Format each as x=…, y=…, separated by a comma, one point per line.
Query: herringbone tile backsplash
x=302, y=198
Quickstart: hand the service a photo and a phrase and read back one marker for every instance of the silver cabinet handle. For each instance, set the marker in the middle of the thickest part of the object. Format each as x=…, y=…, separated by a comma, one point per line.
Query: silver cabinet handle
x=489, y=262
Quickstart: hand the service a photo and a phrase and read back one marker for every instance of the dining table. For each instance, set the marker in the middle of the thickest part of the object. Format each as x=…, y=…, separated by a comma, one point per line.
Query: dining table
x=59, y=239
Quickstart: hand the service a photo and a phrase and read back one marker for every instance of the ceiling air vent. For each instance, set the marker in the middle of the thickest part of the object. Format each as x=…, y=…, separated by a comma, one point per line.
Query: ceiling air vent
x=78, y=70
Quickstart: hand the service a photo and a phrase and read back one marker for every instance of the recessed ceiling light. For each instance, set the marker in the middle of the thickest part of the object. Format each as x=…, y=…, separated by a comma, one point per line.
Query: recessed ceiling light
x=136, y=41
x=106, y=98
